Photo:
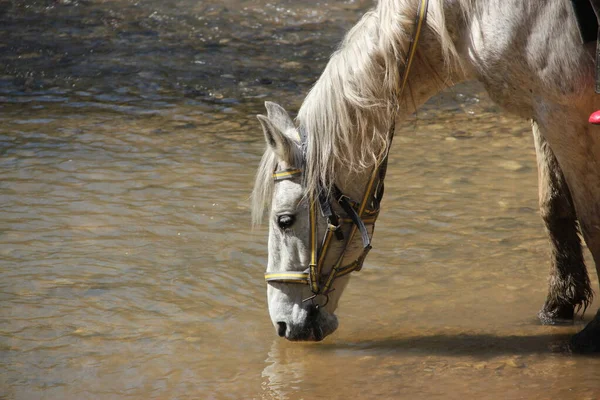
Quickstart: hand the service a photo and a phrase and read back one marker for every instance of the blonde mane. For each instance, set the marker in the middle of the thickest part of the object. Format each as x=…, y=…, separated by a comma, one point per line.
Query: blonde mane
x=348, y=112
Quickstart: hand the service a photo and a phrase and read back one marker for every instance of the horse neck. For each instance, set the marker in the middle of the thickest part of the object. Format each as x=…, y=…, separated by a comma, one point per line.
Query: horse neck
x=433, y=69
x=351, y=108
x=429, y=75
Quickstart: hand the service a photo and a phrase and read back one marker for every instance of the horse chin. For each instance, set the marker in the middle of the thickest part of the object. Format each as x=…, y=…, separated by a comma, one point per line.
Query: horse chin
x=328, y=325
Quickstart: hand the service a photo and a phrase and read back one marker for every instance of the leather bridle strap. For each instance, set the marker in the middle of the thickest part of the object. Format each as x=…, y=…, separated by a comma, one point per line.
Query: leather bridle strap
x=312, y=267
x=344, y=202
x=315, y=273
x=356, y=265
x=333, y=222
x=287, y=174
x=412, y=49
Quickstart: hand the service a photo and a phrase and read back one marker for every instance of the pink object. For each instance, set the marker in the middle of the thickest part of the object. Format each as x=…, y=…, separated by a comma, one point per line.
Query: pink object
x=595, y=118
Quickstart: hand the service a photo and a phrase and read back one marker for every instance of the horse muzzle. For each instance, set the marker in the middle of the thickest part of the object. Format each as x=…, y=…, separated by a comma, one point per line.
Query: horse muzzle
x=315, y=327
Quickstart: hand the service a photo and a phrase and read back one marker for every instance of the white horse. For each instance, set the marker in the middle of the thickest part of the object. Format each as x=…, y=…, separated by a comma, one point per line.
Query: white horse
x=530, y=58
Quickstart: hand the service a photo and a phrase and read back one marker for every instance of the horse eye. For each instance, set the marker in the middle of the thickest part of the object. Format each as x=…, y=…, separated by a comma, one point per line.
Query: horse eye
x=285, y=221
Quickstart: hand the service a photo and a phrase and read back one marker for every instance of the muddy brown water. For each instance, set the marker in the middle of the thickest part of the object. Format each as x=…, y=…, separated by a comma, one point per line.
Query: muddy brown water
x=128, y=267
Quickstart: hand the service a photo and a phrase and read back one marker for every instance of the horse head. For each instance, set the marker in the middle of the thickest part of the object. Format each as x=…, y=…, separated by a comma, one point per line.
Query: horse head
x=295, y=313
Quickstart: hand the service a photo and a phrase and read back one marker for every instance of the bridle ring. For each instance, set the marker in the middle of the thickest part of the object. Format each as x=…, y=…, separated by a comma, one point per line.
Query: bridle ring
x=314, y=296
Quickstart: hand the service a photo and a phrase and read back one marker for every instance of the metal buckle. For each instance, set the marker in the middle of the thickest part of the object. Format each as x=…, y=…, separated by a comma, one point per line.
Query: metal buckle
x=336, y=229
x=336, y=226
x=332, y=227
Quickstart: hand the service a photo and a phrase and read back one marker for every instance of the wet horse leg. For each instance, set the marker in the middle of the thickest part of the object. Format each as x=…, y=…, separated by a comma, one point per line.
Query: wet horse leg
x=576, y=146
x=568, y=283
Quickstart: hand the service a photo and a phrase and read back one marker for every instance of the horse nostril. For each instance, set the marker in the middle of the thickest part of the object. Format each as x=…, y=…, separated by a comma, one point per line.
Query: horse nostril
x=281, y=328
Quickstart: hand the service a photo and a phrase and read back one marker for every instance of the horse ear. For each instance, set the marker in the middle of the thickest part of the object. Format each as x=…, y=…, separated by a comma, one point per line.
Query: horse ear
x=277, y=140
x=281, y=119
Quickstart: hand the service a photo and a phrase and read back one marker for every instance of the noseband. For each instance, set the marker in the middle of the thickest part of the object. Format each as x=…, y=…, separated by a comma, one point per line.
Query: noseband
x=359, y=214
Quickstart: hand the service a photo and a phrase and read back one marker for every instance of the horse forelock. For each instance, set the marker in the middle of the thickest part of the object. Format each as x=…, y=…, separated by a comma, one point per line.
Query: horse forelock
x=264, y=183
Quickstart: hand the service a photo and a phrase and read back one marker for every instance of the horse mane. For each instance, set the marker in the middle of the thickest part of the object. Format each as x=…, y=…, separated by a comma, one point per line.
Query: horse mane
x=348, y=112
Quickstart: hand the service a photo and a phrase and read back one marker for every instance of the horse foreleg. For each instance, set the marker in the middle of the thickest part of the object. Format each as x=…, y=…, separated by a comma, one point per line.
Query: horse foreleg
x=568, y=284
x=576, y=146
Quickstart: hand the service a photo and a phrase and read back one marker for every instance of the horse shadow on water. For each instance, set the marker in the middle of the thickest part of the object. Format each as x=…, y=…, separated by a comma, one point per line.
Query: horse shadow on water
x=467, y=344
x=321, y=176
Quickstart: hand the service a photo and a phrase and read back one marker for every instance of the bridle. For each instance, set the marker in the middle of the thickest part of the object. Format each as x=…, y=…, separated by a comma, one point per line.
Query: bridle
x=360, y=214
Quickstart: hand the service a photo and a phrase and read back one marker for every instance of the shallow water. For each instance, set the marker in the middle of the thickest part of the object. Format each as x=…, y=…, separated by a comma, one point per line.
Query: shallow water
x=128, y=267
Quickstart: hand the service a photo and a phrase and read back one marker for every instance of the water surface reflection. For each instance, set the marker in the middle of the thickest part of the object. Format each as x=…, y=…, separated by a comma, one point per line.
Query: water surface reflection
x=128, y=145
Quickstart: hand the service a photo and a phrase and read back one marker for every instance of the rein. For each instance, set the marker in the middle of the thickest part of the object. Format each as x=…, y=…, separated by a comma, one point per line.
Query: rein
x=359, y=214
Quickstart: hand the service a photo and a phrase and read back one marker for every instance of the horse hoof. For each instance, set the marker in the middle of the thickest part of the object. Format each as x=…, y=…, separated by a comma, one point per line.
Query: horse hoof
x=588, y=340
x=558, y=315
x=582, y=344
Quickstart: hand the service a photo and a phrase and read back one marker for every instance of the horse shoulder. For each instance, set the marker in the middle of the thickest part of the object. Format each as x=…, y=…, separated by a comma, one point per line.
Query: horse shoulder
x=524, y=52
